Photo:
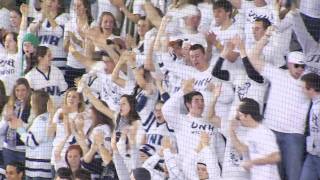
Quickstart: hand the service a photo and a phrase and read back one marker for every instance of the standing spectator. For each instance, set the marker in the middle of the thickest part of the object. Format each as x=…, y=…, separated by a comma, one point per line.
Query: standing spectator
x=73, y=36
x=310, y=47
x=311, y=167
x=46, y=76
x=9, y=62
x=49, y=27
x=187, y=127
x=38, y=144
x=287, y=122
x=15, y=20
x=18, y=107
x=259, y=142
x=73, y=105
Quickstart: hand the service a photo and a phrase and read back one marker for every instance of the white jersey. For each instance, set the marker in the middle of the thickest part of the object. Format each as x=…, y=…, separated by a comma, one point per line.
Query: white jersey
x=261, y=142
x=310, y=8
x=9, y=70
x=71, y=26
x=53, y=82
x=60, y=135
x=110, y=92
x=38, y=148
x=53, y=38
x=250, y=13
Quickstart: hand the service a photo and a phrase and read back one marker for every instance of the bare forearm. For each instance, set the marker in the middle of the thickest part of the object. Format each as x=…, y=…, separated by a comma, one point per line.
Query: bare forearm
x=270, y=159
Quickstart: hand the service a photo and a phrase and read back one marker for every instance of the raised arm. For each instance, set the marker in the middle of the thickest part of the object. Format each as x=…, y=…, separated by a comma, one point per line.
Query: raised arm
x=216, y=120
x=250, y=70
x=98, y=104
x=255, y=54
x=306, y=41
x=152, y=14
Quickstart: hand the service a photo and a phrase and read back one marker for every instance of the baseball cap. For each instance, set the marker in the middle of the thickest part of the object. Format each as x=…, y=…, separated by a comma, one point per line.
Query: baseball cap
x=33, y=39
x=189, y=10
x=296, y=57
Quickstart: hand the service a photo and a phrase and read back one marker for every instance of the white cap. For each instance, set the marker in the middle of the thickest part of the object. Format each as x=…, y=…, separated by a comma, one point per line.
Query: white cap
x=189, y=10
x=5, y=22
x=296, y=57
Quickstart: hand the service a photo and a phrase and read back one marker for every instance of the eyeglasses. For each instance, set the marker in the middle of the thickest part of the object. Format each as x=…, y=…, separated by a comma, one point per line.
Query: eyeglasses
x=303, y=66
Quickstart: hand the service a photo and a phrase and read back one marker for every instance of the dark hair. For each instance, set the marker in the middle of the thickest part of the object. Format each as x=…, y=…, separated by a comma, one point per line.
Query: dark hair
x=3, y=96
x=17, y=11
x=101, y=118
x=65, y=173
x=41, y=51
x=82, y=174
x=14, y=34
x=141, y=174
x=251, y=107
x=196, y=47
x=105, y=13
x=40, y=99
x=224, y=4
x=188, y=97
x=312, y=81
x=87, y=5
x=18, y=165
x=70, y=148
x=265, y=22
x=133, y=115
x=13, y=97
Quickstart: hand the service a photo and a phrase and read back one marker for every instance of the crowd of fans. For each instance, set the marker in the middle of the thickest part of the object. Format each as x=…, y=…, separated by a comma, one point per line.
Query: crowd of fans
x=160, y=90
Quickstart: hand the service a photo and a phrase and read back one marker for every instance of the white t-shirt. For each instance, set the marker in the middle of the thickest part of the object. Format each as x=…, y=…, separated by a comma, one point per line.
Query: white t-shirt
x=231, y=169
x=261, y=142
x=250, y=12
x=53, y=82
x=9, y=70
x=310, y=8
x=187, y=131
x=287, y=104
x=110, y=91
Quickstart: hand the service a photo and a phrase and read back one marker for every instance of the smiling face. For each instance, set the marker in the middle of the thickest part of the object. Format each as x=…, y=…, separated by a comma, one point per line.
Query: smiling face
x=196, y=106
x=198, y=59
x=142, y=27
x=220, y=16
x=107, y=23
x=296, y=70
x=73, y=99
x=124, y=106
x=21, y=92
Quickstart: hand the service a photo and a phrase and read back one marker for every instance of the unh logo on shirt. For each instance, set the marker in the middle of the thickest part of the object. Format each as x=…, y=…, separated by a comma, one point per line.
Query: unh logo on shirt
x=155, y=139
x=198, y=128
x=7, y=62
x=48, y=39
x=52, y=90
